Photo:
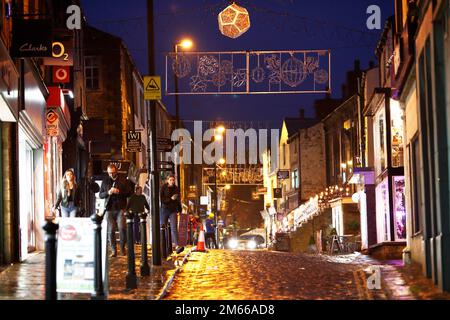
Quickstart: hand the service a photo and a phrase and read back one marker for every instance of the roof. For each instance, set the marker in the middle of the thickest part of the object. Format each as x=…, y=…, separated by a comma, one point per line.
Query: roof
x=293, y=125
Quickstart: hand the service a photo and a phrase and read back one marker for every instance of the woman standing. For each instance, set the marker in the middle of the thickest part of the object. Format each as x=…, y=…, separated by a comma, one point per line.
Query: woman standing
x=69, y=196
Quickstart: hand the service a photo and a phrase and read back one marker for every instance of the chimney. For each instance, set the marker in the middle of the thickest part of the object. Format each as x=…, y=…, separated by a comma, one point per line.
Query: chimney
x=357, y=65
x=371, y=64
x=302, y=113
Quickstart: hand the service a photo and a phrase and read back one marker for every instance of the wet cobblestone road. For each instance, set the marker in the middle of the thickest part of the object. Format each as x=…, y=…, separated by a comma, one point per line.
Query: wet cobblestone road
x=256, y=275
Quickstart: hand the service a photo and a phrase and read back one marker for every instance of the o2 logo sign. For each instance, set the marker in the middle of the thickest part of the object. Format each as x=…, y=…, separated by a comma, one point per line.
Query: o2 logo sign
x=74, y=20
x=374, y=19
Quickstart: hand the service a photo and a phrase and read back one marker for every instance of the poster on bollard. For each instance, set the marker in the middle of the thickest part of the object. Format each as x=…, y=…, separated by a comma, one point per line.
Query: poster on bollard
x=75, y=255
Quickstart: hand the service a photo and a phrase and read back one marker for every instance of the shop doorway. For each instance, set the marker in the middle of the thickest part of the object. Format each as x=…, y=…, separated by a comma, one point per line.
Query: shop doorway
x=26, y=190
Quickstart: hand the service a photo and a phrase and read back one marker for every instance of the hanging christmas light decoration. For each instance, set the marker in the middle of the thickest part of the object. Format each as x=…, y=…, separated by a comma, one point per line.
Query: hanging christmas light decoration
x=234, y=21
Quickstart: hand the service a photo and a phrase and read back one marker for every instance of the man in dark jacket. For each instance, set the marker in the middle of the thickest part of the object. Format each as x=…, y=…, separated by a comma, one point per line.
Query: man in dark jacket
x=170, y=207
x=115, y=190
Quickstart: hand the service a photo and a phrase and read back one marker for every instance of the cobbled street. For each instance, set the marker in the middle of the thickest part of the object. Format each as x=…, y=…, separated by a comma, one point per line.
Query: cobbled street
x=253, y=275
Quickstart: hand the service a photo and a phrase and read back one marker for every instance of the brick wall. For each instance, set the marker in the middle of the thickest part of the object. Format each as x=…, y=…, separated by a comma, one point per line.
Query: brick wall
x=312, y=161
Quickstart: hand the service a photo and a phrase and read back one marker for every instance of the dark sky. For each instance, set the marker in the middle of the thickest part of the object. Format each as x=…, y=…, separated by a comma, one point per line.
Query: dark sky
x=276, y=25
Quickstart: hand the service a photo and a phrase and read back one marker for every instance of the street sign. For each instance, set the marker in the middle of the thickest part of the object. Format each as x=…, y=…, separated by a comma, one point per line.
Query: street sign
x=164, y=144
x=283, y=174
x=134, y=141
x=152, y=88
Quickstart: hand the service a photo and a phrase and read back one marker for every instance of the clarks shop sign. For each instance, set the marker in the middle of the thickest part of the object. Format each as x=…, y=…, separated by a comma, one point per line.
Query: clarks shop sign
x=31, y=38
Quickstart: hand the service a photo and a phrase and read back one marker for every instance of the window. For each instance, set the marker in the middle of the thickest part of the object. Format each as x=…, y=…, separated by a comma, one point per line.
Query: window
x=397, y=134
x=416, y=185
x=284, y=154
x=92, y=73
x=142, y=107
x=295, y=181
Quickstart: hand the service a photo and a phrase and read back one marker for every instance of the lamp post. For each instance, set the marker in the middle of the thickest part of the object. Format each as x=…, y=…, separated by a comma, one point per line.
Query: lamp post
x=216, y=198
x=185, y=44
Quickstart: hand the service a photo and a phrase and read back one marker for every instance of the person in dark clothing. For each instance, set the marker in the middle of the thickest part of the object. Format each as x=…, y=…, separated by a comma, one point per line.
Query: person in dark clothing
x=170, y=207
x=115, y=190
x=210, y=234
x=69, y=196
x=137, y=204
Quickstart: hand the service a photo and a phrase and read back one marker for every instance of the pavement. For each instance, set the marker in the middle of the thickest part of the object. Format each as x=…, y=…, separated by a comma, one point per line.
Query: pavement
x=240, y=275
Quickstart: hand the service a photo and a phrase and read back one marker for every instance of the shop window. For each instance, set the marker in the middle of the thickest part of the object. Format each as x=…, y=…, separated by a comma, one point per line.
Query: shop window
x=397, y=134
x=92, y=73
x=399, y=207
x=380, y=141
x=295, y=180
x=383, y=212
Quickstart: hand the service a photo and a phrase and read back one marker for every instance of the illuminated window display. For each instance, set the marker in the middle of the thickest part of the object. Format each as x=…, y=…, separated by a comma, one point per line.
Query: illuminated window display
x=399, y=207
x=396, y=134
x=383, y=216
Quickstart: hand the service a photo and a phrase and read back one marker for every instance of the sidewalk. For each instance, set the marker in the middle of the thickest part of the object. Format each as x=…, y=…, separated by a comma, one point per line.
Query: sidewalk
x=26, y=281
x=398, y=281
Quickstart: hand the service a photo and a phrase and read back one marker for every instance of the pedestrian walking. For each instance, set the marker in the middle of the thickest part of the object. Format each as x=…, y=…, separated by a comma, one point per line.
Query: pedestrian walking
x=194, y=228
x=115, y=190
x=137, y=204
x=69, y=196
x=210, y=235
x=170, y=208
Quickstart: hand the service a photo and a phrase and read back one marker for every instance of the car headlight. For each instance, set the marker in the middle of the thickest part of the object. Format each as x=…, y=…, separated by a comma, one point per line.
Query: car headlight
x=251, y=244
x=233, y=243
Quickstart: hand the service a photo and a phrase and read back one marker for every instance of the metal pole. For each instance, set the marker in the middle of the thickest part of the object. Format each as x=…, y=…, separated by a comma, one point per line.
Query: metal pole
x=50, y=260
x=169, y=240
x=163, y=241
x=145, y=269
x=130, y=278
x=153, y=158
x=98, y=293
x=216, y=198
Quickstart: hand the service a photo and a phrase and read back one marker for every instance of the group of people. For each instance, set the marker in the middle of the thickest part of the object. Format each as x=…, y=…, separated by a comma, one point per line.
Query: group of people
x=119, y=198
x=210, y=228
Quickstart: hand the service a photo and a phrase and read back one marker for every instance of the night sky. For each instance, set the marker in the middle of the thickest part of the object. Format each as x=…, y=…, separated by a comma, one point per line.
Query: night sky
x=276, y=25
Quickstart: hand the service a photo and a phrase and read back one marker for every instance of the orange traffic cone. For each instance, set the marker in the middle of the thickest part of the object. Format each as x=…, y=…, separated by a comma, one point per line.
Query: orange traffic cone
x=201, y=241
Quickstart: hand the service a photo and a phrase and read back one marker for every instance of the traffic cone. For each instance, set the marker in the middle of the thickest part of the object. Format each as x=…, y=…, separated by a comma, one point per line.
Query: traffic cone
x=201, y=242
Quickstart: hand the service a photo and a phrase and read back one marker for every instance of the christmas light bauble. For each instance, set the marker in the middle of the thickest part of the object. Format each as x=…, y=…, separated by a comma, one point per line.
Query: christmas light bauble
x=234, y=21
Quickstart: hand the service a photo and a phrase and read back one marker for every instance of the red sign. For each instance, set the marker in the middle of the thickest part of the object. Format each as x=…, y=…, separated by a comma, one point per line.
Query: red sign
x=68, y=233
x=61, y=74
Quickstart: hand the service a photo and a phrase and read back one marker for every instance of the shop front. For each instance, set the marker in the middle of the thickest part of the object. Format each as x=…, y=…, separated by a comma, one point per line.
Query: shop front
x=31, y=163
x=388, y=131
x=57, y=126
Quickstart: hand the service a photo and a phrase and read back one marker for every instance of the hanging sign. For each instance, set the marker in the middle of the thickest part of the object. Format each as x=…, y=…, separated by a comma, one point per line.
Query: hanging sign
x=52, y=123
x=61, y=74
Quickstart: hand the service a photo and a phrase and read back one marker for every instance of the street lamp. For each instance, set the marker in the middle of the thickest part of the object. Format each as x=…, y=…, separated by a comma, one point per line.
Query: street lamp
x=185, y=44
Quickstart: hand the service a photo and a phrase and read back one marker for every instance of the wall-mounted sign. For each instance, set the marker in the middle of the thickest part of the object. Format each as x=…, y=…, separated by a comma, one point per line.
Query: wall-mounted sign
x=52, y=123
x=164, y=144
x=31, y=38
x=134, y=141
x=61, y=74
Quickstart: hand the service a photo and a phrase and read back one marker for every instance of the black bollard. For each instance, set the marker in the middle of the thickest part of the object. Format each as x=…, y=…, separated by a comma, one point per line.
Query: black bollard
x=163, y=241
x=145, y=268
x=99, y=293
x=50, y=229
x=130, y=278
x=169, y=240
